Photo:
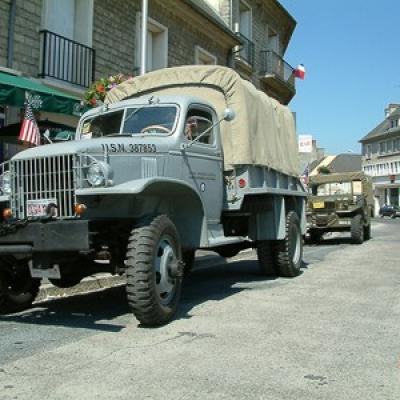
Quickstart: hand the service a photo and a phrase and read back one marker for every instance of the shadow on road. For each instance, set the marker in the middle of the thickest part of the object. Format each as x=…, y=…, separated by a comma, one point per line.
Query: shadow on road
x=93, y=310
x=82, y=311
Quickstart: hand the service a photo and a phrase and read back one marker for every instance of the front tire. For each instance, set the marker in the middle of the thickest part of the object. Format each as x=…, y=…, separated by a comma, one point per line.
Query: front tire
x=154, y=271
x=289, y=251
x=357, y=230
x=18, y=292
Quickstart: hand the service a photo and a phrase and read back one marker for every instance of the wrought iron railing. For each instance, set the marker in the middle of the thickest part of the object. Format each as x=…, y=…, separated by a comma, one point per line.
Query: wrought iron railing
x=274, y=64
x=66, y=60
x=246, y=49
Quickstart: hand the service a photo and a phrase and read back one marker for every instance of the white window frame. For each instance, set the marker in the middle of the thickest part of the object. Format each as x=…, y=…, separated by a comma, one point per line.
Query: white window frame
x=200, y=53
x=154, y=27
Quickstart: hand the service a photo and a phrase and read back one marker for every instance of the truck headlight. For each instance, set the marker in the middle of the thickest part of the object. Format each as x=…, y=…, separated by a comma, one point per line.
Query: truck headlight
x=6, y=183
x=98, y=174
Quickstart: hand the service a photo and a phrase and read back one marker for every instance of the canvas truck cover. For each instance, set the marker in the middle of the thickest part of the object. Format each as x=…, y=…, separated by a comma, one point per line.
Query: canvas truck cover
x=345, y=177
x=263, y=131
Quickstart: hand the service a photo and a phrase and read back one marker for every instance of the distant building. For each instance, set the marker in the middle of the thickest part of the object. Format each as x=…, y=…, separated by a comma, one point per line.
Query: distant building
x=310, y=159
x=381, y=157
x=345, y=162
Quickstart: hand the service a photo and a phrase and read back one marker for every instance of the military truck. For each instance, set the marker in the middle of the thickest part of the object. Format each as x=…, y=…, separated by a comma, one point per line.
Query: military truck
x=340, y=202
x=162, y=168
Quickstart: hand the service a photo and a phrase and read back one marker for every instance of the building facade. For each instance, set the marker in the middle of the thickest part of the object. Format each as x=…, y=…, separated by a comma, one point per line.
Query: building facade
x=68, y=44
x=381, y=157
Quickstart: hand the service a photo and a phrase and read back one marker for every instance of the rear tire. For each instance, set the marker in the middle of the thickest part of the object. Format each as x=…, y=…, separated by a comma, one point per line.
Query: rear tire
x=17, y=293
x=154, y=271
x=265, y=256
x=289, y=251
x=357, y=230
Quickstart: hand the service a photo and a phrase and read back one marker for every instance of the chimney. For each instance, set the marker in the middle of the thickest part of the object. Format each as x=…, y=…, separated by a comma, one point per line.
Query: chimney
x=390, y=109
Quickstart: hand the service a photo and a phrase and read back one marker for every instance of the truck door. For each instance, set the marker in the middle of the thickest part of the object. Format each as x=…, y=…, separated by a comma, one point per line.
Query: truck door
x=202, y=160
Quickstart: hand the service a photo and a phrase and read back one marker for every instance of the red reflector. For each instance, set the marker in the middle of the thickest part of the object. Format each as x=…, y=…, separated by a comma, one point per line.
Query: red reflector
x=242, y=183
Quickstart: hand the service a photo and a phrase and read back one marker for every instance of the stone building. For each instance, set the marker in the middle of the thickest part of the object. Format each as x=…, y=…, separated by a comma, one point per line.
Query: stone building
x=67, y=44
x=381, y=157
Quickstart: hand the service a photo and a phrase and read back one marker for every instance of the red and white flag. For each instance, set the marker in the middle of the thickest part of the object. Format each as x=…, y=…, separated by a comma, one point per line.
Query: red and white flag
x=300, y=72
x=29, y=132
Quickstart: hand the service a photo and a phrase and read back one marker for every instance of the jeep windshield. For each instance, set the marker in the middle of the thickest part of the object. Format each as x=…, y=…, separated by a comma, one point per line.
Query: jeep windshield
x=131, y=121
x=337, y=188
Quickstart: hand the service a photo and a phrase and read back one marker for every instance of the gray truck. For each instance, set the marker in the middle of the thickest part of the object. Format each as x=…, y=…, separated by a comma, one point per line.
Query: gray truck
x=340, y=202
x=162, y=168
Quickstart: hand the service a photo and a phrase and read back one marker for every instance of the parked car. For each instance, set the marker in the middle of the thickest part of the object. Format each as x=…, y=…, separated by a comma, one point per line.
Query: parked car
x=389, y=210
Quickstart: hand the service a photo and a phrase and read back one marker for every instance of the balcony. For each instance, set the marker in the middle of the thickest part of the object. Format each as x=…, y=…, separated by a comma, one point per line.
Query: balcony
x=246, y=50
x=66, y=60
x=278, y=75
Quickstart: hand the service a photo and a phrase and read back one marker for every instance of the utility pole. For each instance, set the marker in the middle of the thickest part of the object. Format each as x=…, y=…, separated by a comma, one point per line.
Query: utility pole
x=143, y=47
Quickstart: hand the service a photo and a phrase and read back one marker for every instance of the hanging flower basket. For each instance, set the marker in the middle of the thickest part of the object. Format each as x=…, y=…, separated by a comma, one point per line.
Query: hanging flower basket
x=97, y=92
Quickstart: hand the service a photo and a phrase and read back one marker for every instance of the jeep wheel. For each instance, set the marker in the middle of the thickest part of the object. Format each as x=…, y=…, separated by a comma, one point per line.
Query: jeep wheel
x=289, y=251
x=367, y=232
x=265, y=256
x=154, y=271
x=17, y=293
x=357, y=230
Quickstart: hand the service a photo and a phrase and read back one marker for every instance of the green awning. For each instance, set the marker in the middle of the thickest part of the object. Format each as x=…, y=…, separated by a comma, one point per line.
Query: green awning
x=13, y=89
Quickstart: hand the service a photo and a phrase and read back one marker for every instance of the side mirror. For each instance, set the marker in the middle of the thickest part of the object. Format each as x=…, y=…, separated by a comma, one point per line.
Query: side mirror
x=229, y=114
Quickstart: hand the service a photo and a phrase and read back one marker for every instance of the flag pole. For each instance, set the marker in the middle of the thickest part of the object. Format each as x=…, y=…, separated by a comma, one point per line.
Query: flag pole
x=143, y=47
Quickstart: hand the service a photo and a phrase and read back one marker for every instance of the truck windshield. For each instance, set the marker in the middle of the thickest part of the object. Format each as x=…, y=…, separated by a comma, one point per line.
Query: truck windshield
x=149, y=120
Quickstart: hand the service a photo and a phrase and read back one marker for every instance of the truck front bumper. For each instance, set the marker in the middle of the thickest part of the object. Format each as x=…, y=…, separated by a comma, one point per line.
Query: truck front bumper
x=44, y=237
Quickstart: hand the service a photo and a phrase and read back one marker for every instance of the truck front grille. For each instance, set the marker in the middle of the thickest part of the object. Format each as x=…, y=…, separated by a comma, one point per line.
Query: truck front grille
x=48, y=179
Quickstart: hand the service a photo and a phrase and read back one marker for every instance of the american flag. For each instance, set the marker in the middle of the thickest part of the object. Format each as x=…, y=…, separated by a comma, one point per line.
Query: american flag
x=29, y=132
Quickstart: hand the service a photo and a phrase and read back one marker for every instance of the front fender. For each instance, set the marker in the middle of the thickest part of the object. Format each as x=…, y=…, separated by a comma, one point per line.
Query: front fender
x=154, y=196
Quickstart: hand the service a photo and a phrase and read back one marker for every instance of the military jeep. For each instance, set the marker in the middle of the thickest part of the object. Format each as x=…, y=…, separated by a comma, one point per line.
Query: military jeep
x=340, y=202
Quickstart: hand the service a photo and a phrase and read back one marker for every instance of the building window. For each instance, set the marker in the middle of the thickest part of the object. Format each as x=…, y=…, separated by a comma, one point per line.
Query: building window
x=66, y=39
x=76, y=22
x=203, y=57
x=368, y=150
x=396, y=145
x=382, y=147
x=394, y=123
x=157, y=44
x=389, y=146
x=273, y=40
x=245, y=20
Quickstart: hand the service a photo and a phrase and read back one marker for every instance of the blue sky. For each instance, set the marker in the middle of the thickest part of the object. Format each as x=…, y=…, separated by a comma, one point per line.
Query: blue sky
x=351, y=52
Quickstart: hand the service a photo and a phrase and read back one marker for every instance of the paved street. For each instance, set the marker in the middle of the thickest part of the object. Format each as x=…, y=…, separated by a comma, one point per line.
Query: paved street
x=331, y=333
